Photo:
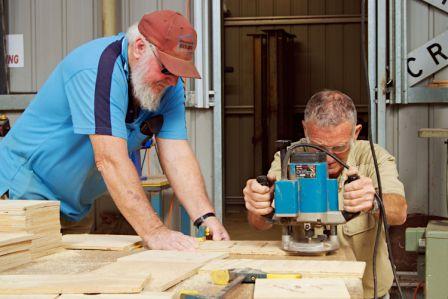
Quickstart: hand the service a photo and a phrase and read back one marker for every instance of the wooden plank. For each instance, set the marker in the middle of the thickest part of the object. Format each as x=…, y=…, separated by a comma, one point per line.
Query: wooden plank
x=13, y=238
x=22, y=246
x=300, y=288
x=54, y=296
x=174, y=256
x=14, y=259
x=163, y=274
x=75, y=283
x=110, y=279
x=24, y=205
x=146, y=295
x=308, y=268
x=101, y=242
x=268, y=249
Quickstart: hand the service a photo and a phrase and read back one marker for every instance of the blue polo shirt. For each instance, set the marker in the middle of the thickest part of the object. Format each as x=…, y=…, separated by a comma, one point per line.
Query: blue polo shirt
x=48, y=153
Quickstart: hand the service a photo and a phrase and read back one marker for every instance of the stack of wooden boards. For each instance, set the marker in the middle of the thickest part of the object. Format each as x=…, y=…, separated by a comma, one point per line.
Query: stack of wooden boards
x=38, y=218
x=14, y=249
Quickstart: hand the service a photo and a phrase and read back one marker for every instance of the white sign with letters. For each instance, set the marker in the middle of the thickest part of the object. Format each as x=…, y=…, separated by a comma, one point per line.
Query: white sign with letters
x=428, y=59
x=440, y=4
x=14, y=50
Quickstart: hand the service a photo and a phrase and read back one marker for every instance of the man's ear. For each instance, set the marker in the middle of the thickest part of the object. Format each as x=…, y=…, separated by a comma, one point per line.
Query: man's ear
x=138, y=48
x=358, y=129
x=304, y=127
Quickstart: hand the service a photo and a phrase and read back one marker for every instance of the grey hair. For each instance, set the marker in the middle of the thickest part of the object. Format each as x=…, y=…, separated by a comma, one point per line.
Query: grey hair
x=330, y=108
x=133, y=33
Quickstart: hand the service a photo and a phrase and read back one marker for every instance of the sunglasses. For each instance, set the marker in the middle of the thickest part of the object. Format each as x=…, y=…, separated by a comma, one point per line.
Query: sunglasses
x=152, y=126
x=164, y=70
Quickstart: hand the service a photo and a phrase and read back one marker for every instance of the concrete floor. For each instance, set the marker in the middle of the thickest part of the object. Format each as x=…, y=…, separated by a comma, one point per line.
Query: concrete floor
x=236, y=224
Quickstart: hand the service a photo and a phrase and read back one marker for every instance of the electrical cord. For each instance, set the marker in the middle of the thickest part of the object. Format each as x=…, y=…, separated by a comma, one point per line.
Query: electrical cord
x=378, y=196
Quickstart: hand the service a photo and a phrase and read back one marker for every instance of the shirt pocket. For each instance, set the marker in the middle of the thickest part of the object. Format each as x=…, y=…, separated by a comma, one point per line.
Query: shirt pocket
x=360, y=224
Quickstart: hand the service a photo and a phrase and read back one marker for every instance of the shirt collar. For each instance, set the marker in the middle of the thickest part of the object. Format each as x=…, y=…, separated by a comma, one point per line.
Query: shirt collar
x=124, y=55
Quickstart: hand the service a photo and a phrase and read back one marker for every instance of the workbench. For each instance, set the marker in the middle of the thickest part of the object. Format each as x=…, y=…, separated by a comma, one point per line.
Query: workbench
x=80, y=261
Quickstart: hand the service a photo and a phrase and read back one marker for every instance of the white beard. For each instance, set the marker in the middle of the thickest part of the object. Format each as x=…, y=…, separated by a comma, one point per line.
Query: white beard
x=143, y=92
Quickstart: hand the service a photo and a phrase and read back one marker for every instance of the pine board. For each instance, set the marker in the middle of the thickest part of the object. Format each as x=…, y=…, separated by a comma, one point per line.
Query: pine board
x=81, y=283
x=26, y=205
x=14, y=259
x=22, y=246
x=163, y=274
x=148, y=295
x=175, y=256
x=125, y=281
x=101, y=242
x=300, y=288
x=13, y=238
x=308, y=268
x=29, y=296
x=244, y=247
x=268, y=249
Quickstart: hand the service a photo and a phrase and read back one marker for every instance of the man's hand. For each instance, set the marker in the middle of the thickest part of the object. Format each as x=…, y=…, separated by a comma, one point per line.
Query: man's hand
x=217, y=230
x=164, y=239
x=258, y=197
x=359, y=194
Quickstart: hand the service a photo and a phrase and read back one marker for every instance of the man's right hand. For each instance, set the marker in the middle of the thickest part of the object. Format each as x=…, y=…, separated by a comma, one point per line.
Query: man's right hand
x=258, y=197
x=163, y=238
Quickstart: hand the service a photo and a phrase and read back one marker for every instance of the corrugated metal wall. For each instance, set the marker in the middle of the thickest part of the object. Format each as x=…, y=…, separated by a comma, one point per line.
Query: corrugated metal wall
x=421, y=161
x=52, y=28
x=327, y=55
x=326, y=58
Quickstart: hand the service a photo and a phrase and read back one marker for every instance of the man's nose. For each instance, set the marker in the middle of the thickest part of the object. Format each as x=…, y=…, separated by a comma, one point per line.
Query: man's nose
x=330, y=159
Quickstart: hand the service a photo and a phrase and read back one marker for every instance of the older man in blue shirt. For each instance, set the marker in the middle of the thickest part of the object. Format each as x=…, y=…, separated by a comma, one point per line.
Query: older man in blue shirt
x=73, y=141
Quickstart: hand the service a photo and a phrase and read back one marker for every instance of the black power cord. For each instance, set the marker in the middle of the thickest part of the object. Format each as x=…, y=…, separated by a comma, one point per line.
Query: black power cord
x=378, y=196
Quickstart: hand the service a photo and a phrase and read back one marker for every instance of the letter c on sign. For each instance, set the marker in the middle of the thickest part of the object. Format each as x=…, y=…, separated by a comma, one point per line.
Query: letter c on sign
x=415, y=75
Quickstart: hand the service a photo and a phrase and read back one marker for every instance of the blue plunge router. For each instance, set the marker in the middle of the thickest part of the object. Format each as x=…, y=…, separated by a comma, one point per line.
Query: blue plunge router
x=306, y=203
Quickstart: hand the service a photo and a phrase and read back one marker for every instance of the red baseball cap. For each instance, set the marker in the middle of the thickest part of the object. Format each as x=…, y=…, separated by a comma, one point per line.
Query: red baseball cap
x=174, y=38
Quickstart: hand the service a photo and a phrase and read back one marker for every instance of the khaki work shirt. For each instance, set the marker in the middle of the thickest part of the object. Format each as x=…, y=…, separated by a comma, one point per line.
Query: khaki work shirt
x=359, y=233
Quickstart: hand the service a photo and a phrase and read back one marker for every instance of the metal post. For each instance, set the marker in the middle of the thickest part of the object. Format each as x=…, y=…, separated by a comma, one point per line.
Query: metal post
x=371, y=38
x=381, y=72
x=217, y=108
x=398, y=61
x=202, y=53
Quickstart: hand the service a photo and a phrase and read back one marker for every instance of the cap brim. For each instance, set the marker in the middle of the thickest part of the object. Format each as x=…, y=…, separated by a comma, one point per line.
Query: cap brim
x=179, y=67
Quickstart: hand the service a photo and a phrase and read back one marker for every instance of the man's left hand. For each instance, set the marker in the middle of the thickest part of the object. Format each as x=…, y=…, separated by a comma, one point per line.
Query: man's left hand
x=217, y=230
x=359, y=194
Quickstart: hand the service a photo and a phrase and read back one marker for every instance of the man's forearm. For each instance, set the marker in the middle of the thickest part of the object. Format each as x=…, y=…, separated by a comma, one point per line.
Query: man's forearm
x=124, y=186
x=396, y=208
x=183, y=172
x=257, y=221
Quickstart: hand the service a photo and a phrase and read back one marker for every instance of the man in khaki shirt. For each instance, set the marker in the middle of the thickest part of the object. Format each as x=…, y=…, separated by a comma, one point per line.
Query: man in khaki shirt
x=330, y=122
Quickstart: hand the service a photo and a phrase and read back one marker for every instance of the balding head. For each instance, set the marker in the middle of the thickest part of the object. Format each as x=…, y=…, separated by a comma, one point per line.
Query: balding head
x=330, y=108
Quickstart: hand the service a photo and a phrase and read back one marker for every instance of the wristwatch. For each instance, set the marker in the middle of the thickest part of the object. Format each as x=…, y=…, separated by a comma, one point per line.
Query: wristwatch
x=201, y=219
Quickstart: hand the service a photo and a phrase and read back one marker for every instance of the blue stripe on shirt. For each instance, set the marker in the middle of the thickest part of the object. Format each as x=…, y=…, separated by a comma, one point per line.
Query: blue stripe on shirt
x=102, y=88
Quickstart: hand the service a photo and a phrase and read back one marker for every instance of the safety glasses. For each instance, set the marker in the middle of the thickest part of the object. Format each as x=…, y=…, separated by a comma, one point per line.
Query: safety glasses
x=337, y=149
